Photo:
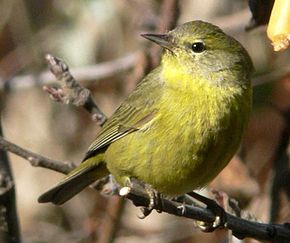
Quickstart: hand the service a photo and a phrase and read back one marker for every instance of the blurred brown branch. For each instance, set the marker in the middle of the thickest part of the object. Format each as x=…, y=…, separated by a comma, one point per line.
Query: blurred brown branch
x=111, y=223
x=281, y=180
x=271, y=76
x=108, y=69
x=9, y=226
x=234, y=22
x=167, y=20
x=89, y=73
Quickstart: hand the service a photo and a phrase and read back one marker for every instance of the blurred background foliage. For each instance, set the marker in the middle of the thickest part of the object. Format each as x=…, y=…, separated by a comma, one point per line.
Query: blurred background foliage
x=94, y=31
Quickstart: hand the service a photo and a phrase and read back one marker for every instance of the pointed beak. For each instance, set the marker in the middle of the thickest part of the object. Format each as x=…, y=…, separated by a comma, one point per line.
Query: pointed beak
x=161, y=40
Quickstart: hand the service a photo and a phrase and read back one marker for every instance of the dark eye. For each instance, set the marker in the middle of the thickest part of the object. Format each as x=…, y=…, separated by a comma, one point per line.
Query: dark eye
x=198, y=47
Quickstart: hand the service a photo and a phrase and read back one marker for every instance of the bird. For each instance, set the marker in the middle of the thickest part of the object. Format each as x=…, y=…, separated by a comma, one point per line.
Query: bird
x=183, y=122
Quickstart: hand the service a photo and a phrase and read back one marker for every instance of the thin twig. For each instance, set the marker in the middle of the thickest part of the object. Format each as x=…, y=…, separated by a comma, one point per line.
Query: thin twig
x=36, y=159
x=71, y=92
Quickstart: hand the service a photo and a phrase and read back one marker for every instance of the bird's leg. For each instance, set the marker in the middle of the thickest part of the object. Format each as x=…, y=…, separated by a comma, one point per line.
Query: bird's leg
x=219, y=212
x=155, y=199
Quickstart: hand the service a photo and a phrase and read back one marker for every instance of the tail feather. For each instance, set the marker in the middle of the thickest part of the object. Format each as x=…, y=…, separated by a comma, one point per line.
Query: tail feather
x=76, y=181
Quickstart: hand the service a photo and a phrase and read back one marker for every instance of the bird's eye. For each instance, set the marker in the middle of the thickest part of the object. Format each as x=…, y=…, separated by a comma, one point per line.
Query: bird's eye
x=198, y=47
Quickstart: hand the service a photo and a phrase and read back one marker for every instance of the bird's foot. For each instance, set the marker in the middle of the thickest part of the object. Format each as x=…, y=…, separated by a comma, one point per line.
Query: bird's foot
x=155, y=199
x=221, y=216
x=154, y=203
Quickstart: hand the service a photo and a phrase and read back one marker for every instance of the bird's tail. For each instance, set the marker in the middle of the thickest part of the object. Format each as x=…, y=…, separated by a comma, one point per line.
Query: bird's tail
x=82, y=176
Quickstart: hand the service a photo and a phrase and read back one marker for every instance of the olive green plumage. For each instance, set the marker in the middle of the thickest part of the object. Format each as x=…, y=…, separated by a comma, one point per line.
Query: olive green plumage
x=183, y=122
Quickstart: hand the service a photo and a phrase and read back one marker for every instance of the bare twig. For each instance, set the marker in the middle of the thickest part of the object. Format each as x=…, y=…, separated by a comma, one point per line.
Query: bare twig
x=71, y=92
x=9, y=227
x=36, y=159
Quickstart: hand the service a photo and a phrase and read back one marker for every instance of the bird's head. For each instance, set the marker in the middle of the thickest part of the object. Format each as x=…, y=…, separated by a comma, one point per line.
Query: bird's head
x=203, y=50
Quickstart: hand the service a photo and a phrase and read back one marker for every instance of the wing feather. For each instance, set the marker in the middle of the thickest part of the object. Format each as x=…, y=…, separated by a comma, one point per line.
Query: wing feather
x=137, y=110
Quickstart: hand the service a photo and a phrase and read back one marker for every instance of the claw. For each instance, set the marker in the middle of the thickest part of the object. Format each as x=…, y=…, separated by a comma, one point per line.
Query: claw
x=210, y=227
x=218, y=211
x=145, y=212
x=155, y=200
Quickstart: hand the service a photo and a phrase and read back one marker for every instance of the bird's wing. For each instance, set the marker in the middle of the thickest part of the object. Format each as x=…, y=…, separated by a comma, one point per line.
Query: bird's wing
x=138, y=109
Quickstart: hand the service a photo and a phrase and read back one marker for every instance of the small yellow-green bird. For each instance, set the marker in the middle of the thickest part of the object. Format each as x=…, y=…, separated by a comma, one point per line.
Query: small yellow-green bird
x=181, y=125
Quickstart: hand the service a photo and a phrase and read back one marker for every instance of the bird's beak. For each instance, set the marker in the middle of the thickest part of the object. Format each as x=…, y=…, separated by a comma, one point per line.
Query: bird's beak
x=161, y=40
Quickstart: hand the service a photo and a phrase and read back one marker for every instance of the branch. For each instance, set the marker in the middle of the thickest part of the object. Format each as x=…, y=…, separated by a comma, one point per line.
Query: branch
x=112, y=221
x=89, y=73
x=71, y=92
x=169, y=12
x=281, y=171
x=36, y=159
x=241, y=228
x=9, y=227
